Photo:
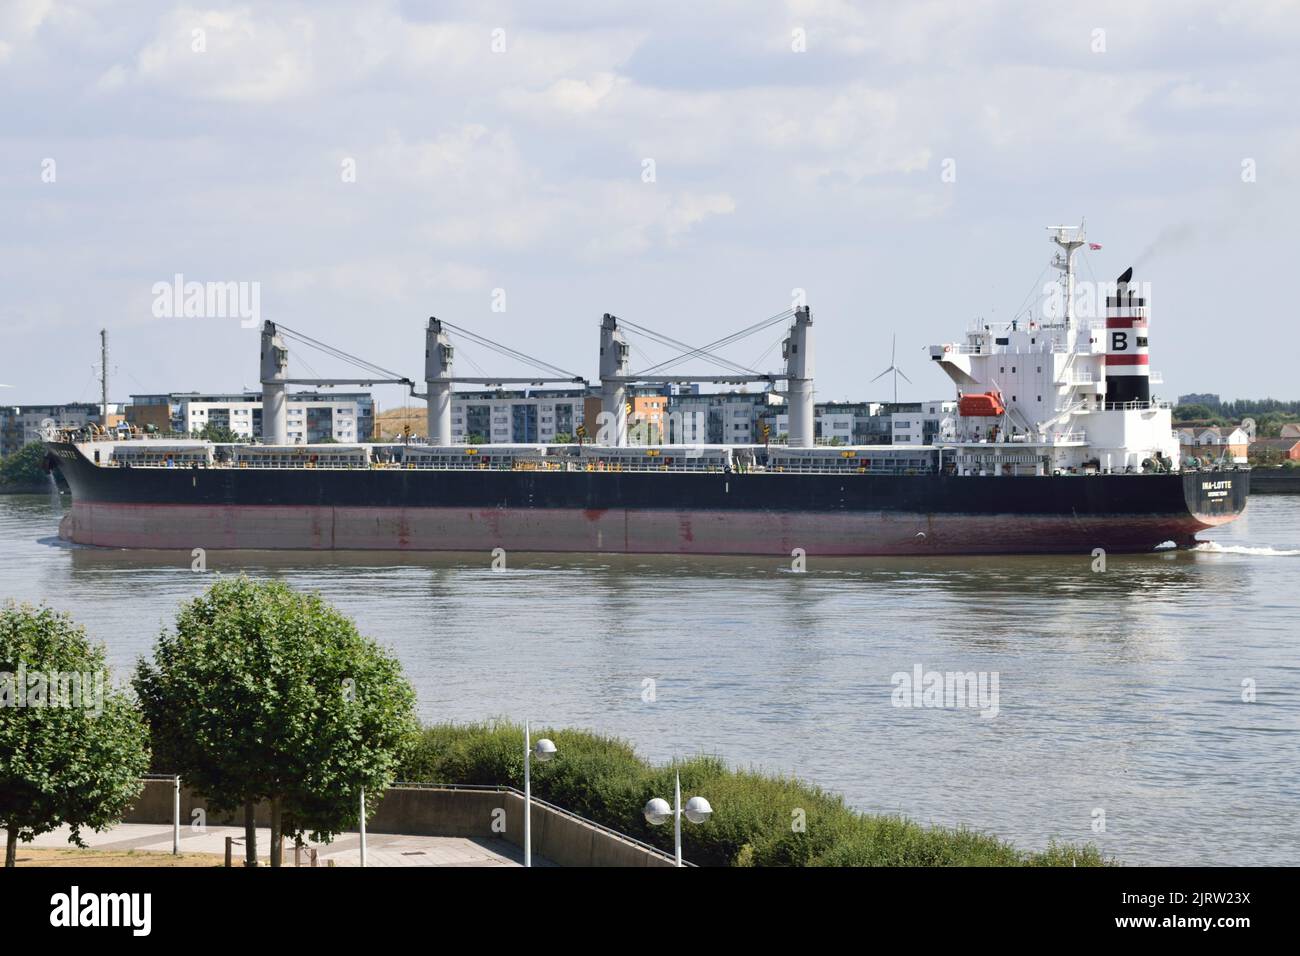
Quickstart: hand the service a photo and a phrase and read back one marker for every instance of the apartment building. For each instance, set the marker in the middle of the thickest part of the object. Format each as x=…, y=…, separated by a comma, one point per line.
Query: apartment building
x=731, y=418
x=312, y=416
x=517, y=417
x=21, y=424
x=923, y=423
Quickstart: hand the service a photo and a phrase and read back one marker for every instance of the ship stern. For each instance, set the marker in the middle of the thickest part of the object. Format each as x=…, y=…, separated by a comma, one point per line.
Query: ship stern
x=1216, y=497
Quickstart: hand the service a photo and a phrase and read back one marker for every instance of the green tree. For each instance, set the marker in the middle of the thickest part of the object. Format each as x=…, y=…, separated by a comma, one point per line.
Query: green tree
x=25, y=466
x=72, y=748
x=220, y=434
x=474, y=438
x=1192, y=413
x=266, y=694
x=1265, y=455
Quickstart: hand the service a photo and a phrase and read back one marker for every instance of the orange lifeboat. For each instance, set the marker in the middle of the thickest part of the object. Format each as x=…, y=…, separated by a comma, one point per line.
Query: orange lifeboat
x=983, y=405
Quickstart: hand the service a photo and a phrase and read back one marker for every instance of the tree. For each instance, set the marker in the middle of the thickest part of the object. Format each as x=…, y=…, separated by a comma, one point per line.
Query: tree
x=220, y=434
x=1265, y=455
x=72, y=748
x=26, y=466
x=1192, y=412
x=474, y=438
x=266, y=694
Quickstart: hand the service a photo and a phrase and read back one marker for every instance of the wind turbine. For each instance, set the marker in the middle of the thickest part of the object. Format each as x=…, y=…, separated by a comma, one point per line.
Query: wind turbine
x=893, y=367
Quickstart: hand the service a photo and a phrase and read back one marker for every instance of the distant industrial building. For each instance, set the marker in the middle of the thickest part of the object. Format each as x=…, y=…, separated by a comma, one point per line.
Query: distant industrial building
x=313, y=416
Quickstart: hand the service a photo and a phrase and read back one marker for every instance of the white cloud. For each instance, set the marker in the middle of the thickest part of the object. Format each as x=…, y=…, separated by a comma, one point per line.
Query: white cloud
x=477, y=169
x=19, y=21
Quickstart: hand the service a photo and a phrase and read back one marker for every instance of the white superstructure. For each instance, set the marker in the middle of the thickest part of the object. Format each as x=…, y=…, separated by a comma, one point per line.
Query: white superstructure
x=1058, y=393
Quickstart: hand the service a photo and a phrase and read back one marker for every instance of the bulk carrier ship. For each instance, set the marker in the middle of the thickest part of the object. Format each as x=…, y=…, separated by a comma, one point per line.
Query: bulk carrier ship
x=1058, y=447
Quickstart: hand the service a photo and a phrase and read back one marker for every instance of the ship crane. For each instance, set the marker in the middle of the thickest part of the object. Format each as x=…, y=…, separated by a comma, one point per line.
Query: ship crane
x=275, y=377
x=438, y=355
x=797, y=351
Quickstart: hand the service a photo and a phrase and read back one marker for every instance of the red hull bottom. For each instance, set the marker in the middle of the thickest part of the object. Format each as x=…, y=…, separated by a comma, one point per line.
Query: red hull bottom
x=311, y=528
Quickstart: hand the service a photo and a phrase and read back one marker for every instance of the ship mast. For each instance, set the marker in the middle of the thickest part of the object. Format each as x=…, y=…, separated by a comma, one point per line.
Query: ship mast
x=1070, y=239
x=103, y=378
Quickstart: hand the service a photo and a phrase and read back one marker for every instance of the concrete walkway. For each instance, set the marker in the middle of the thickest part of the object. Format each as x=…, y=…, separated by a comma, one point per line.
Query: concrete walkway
x=382, y=849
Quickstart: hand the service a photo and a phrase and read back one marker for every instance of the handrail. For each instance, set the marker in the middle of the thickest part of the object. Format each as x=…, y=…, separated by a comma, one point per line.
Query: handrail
x=506, y=788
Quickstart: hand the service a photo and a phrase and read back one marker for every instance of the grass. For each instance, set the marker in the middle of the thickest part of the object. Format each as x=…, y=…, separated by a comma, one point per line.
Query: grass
x=758, y=819
x=43, y=856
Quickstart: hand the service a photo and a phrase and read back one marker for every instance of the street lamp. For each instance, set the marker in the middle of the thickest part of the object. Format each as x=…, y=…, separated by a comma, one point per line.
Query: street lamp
x=657, y=812
x=544, y=751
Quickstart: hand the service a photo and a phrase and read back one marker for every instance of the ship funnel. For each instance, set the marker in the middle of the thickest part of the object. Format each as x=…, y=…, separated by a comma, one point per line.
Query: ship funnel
x=798, y=351
x=1128, y=370
x=612, y=427
x=438, y=354
x=275, y=369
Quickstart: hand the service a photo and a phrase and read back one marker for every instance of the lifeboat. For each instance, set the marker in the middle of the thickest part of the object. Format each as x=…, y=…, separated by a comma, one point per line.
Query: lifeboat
x=983, y=405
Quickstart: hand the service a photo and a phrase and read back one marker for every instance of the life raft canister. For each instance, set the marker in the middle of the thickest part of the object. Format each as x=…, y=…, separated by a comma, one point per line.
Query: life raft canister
x=982, y=405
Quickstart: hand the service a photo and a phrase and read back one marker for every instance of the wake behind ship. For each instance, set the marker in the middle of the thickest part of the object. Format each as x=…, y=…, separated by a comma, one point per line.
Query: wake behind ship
x=1057, y=446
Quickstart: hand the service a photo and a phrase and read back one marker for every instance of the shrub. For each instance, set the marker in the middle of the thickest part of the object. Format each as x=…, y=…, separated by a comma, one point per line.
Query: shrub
x=758, y=819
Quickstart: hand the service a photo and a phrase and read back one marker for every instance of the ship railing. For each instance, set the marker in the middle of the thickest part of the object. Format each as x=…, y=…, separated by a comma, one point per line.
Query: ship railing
x=1082, y=378
x=800, y=469
x=1058, y=348
x=1137, y=406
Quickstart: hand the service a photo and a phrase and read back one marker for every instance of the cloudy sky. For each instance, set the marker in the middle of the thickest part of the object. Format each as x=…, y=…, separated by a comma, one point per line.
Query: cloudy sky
x=370, y=164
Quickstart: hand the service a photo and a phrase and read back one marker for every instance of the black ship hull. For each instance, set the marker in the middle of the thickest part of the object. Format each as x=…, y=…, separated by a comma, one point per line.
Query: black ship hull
x=702, y=513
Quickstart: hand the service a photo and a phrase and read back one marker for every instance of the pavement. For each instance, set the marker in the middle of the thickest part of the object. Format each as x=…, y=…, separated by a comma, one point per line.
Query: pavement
x=382, y=849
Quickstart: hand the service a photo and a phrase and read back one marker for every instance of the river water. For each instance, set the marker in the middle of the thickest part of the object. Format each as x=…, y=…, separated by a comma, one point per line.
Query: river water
x=1119, y=692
